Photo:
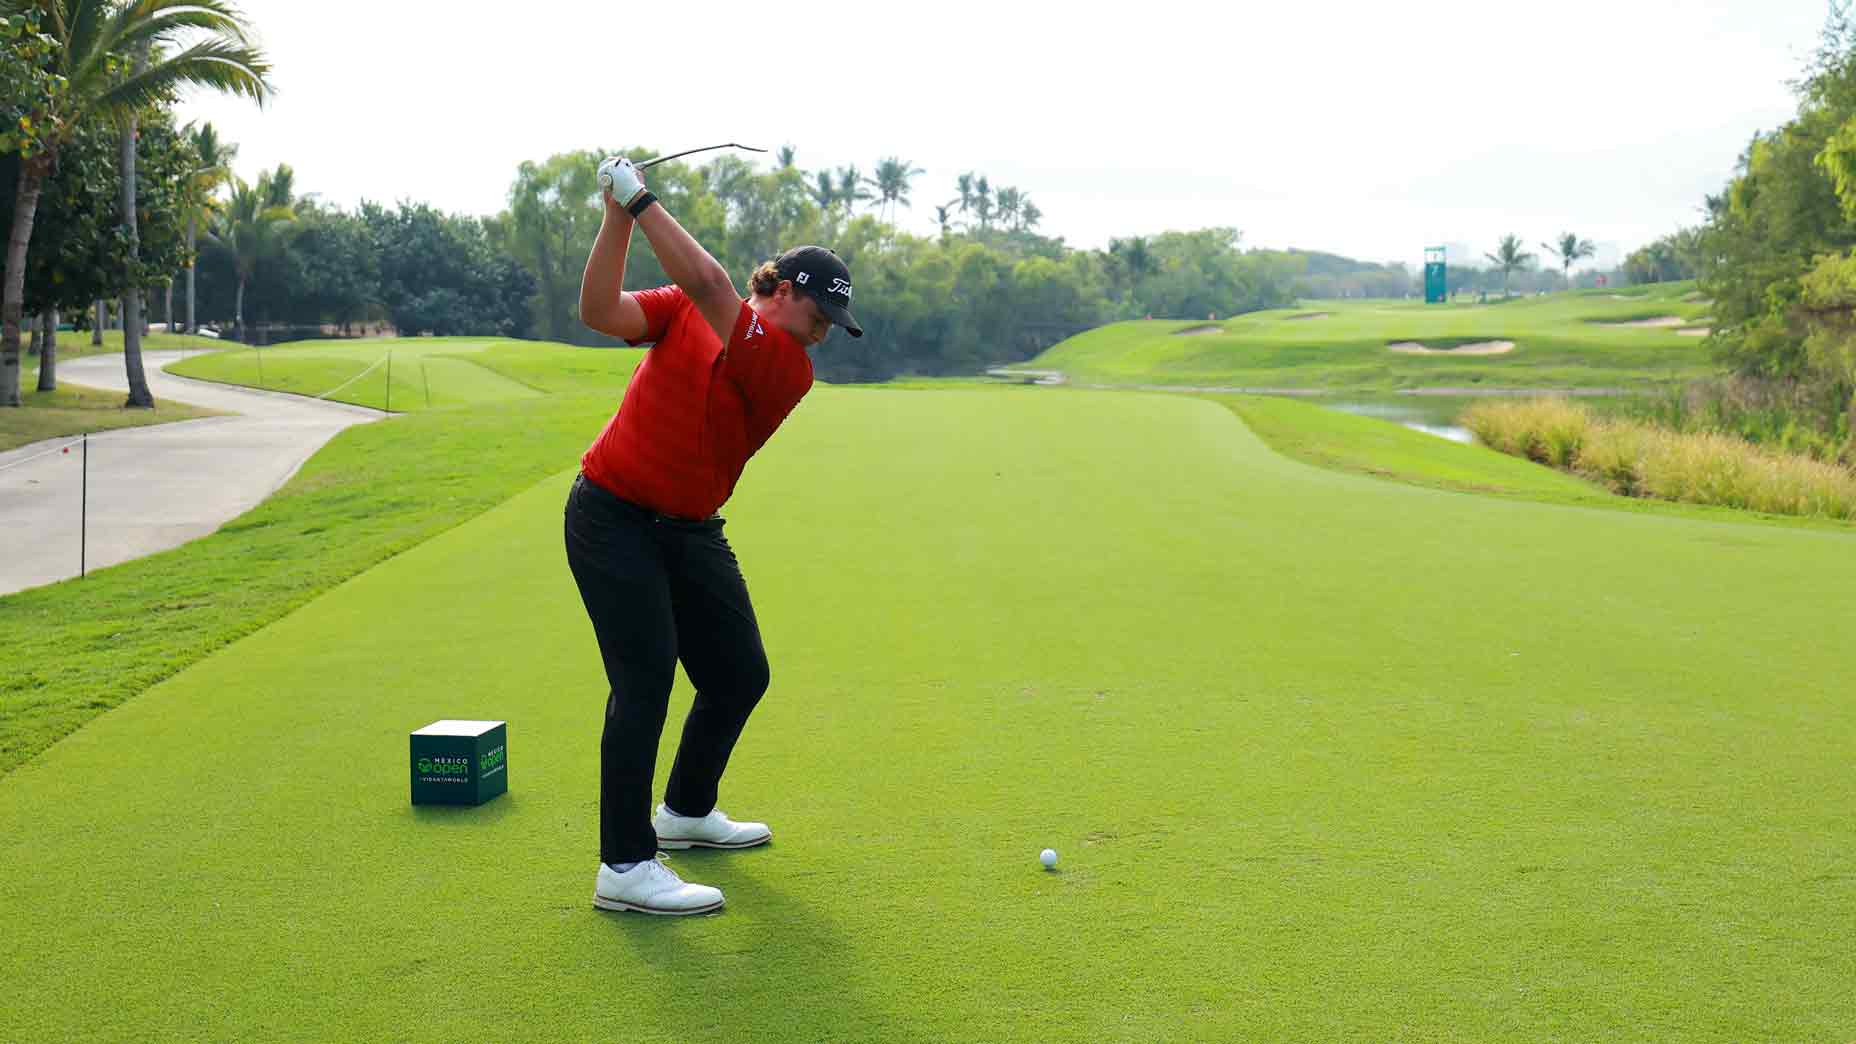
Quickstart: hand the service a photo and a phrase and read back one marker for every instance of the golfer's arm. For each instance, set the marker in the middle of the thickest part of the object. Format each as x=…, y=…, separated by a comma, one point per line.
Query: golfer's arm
x=690, y=267
x=604, y=305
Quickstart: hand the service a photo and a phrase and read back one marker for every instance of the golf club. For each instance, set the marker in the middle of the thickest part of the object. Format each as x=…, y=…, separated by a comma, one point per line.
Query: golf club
x=689, y=152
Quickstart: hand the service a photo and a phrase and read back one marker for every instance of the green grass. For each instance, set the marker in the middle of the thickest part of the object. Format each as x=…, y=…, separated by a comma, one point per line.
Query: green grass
x=1561, y=340
x=79, y=647
x=1325, y=758
x=425, y=372
x=73, y=409
x=1328, y=438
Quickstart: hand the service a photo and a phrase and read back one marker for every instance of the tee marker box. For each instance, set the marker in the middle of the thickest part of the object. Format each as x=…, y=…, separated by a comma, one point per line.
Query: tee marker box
x=459, y=762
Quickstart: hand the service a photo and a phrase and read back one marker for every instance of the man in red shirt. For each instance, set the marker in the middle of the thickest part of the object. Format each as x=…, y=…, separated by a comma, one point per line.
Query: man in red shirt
x=644, y=541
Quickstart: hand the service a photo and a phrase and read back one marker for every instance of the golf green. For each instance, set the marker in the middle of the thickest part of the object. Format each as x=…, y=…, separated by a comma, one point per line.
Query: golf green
x=1323, y=757
x=1586, y=338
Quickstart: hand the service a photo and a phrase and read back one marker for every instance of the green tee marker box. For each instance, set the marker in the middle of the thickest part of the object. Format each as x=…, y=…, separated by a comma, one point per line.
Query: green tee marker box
x=459, y=762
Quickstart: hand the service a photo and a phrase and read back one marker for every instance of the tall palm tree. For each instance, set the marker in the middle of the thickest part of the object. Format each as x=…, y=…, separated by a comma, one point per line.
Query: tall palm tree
x=1029, y=215
x=1509, y=257
x=852, y=188
x=215, y=167
x=1009, y=200
x=944, y=215
x=211, y=47
x=251, y=226
x=824, y=190
x=982, y=201
x=964, y=184
x=892, y=182
x=1570, y=250
x=786, y=155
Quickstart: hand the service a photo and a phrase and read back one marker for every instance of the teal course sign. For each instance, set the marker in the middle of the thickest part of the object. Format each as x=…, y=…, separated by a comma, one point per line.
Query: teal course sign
x=460, y=762
x=1436, y=283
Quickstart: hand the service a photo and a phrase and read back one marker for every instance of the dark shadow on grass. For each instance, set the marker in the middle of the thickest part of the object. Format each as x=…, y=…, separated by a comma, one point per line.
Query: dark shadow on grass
x=798, y=964
x=471, y=817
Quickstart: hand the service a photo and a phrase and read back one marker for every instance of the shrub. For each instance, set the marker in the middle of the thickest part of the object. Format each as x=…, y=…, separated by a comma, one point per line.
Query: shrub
x=1702, y=467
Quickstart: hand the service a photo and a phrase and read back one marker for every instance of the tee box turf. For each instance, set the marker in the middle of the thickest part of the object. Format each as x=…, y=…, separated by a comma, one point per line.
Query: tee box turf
x=459, y=762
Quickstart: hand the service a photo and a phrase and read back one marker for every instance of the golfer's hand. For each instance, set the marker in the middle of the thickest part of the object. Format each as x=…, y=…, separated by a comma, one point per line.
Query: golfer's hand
x=620, y=180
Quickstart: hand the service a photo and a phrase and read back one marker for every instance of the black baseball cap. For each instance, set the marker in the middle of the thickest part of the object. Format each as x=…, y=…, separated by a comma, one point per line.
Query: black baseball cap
x=825, y=278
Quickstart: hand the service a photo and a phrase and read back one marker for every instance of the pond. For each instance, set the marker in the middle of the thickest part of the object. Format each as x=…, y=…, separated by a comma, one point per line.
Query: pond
x=1433, y=414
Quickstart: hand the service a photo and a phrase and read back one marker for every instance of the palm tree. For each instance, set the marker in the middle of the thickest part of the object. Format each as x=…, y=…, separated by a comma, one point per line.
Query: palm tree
x=1570, y=250
x=1509, y=257
x=982, y=202
x=892, y=182
x=251, y=227
x=824, y=191
x=964, y=184
x=93, y=36
x=851, y=188
x=1009, y=200
x=1029, y=215
x=786, y=155
x=215, y=167
x=944, y=215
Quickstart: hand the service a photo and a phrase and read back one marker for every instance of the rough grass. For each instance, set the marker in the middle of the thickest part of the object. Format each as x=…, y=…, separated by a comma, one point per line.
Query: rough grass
x=1635, y=459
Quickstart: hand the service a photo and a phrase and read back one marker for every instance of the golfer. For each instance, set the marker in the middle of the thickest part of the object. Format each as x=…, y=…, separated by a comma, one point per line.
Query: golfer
x=643, y=538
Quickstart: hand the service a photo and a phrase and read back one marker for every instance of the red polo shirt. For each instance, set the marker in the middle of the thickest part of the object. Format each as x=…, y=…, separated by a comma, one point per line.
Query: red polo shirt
x=696, y=411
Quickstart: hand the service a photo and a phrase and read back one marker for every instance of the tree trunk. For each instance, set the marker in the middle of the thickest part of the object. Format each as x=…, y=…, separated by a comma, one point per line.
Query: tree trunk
x=193, y=227
x=35, y=329
x=13, y=296
x=96, y=332
x=167, y=307
x=48, y=352
x=139, y=395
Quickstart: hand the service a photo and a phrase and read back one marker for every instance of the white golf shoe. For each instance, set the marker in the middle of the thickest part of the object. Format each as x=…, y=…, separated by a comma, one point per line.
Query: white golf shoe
x=714, y=830
x=653, y=888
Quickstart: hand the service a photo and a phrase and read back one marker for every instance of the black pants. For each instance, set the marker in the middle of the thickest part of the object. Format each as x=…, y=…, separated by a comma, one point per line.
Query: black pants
x=658, y=589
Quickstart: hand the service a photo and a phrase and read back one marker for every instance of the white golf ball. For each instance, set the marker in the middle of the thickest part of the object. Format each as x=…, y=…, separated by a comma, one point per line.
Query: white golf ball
x=1048, y=857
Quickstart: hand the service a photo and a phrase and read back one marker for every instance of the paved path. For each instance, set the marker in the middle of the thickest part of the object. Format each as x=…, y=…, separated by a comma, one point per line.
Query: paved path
x=156, y=487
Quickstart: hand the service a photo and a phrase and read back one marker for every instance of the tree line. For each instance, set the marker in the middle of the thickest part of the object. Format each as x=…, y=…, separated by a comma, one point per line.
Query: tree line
x=75, y=77
x=1775, y=253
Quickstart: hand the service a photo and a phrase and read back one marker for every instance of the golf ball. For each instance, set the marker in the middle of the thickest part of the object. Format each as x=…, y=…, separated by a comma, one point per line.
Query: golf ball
x=1048, y=857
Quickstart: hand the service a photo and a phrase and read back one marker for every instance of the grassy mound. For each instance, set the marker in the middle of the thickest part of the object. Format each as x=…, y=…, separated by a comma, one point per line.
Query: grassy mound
x=1562, y=340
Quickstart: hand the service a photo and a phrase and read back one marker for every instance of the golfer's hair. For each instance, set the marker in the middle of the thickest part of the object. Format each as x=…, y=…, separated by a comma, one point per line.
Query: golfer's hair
x=765, y=280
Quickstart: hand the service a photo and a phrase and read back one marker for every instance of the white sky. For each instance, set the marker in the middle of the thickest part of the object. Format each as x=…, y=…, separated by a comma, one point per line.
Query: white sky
x=1363, y=128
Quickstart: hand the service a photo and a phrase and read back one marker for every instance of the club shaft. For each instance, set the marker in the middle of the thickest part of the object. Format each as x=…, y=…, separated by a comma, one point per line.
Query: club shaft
x=691, y=152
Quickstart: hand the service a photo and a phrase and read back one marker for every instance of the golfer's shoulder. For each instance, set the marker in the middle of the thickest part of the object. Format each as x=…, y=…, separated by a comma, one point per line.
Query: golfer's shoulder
x=663, y=300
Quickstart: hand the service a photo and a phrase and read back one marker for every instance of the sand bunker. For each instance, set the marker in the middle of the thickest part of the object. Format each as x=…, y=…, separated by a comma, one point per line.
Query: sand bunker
x=1202, y=328
x=1661, y=320
x=1478, y=348
x=1307, y=315
x=1695, y=331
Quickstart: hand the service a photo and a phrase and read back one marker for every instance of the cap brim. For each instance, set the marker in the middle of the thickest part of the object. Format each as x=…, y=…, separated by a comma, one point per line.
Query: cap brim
x=841, y=316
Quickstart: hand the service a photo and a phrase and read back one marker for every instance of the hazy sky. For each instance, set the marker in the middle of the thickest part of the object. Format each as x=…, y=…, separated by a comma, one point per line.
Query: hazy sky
x=1367, y=129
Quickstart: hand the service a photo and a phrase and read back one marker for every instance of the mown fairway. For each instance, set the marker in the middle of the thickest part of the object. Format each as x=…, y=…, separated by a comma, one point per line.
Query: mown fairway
x=1325, y=757
x=401, y=374
x=1562, y=340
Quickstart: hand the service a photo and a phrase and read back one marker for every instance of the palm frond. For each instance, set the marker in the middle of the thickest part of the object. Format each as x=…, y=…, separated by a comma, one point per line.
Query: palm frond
x=84, y=54
x=225, y=66
x=160, y=21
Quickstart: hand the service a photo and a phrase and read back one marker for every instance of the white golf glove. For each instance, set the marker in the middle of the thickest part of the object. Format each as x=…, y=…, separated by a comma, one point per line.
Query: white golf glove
x=620, y=180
